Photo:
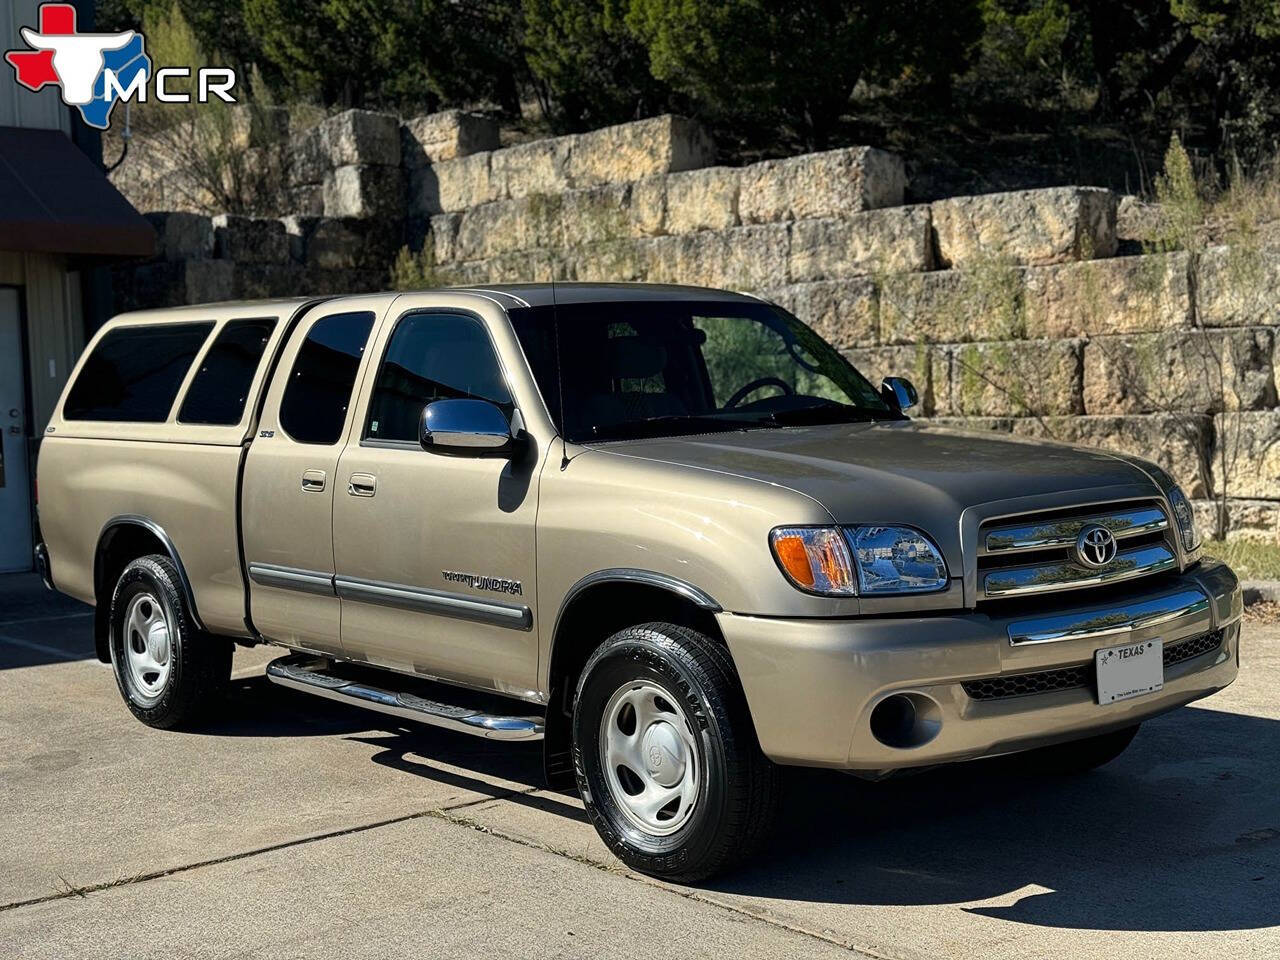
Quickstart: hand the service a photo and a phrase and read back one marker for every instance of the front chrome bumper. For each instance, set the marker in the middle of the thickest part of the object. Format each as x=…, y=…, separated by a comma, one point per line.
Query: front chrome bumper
x=812, y=684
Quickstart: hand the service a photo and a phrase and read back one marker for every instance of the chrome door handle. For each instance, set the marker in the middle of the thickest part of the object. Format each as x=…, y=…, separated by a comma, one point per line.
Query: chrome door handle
x=313, y=481
x=362, y=485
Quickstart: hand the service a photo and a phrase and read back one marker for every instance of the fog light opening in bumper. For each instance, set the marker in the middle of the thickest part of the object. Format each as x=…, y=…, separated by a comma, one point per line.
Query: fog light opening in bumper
x=905, y=720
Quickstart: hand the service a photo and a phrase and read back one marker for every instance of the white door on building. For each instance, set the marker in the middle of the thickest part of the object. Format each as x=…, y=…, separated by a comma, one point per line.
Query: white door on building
x=15, y=483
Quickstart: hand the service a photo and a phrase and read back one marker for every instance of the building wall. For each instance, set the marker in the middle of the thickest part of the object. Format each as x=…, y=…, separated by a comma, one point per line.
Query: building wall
x=19, y=107
x=54, y=324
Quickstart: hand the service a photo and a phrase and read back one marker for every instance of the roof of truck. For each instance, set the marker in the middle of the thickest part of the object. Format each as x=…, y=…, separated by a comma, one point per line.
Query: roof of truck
x=544, y=294
x=514, y=295
x=284, y=304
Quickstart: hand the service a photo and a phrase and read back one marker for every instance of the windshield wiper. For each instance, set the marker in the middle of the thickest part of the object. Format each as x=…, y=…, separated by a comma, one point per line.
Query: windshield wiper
x=667, y=426
x=828, y=412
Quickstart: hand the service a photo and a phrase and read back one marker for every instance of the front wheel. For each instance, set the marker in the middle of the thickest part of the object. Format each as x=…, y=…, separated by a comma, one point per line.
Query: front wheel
x=665, y=754
x=168, y=671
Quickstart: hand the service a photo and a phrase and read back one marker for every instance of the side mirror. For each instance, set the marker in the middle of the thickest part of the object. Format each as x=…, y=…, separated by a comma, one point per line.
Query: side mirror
x=466, y=427
x=899, y=393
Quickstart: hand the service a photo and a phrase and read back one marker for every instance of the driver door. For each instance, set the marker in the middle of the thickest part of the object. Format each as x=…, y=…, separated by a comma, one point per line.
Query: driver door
x=435, y=553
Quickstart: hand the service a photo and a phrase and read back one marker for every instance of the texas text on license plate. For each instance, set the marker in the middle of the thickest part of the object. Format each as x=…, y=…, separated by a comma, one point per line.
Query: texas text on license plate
x=1129, y=670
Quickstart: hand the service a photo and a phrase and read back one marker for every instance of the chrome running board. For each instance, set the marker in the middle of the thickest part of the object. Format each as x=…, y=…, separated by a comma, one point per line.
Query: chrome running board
x=318, y=676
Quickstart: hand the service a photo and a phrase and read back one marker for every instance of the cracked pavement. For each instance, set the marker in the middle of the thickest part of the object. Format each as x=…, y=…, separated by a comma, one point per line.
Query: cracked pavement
x=296, y=827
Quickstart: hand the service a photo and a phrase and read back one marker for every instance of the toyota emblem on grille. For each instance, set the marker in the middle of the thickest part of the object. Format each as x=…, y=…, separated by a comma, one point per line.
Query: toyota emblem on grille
x=1096, y=546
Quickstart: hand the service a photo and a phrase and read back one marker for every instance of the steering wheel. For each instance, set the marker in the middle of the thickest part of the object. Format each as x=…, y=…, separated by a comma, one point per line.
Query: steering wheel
x=743, y=392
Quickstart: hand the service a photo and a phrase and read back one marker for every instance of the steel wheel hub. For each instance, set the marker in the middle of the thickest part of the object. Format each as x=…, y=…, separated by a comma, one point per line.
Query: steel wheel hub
x=650, y=758
x=147, y=647
x=664, y=754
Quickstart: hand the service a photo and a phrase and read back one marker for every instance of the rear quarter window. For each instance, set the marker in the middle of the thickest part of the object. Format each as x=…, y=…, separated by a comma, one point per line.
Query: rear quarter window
x=314, y=407
x=220, y=388
x=134, y=373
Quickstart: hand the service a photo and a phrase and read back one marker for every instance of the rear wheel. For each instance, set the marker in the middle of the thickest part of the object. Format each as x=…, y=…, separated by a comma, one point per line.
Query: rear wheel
x=666, y=758
x=167, y=670
x=1080, y=756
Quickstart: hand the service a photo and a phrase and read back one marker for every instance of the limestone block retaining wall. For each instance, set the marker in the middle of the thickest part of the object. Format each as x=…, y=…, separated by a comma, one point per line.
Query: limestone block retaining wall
x=1035, y=312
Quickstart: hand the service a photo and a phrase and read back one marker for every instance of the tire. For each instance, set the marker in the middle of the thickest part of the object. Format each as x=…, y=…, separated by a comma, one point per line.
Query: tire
x=1079, y=756
x=690, y=730
x=168, y=671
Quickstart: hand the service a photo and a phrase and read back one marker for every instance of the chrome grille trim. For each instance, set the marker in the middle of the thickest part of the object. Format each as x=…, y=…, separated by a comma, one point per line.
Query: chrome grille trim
x=1049, y=534
x=1065, y=574
x=1097, y=624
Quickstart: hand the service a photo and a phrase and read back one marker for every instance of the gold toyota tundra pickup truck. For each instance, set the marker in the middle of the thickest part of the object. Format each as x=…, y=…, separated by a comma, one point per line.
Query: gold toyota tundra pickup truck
x=669, y=531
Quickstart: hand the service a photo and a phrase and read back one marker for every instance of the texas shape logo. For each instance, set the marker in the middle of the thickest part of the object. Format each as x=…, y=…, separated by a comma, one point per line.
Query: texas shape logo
x=81, y=63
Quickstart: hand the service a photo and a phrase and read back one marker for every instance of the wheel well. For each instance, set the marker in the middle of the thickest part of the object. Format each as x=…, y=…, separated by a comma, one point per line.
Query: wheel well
x=120, y=545
x=590, y=618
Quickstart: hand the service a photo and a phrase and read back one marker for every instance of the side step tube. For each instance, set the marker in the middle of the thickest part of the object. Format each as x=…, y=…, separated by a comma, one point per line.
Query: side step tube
x=309, y=674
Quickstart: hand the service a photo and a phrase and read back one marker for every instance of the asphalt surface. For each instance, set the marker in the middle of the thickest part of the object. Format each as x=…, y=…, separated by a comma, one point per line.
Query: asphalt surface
x=299, y=828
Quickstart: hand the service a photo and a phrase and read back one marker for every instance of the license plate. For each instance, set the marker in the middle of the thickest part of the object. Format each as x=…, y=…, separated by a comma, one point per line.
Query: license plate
x=1129, y=670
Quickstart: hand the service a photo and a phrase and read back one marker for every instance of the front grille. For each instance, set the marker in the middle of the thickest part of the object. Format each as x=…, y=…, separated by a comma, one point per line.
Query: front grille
x=1035, y=553
x=1026, y=684
x=1007, y=686
x=1190, y=649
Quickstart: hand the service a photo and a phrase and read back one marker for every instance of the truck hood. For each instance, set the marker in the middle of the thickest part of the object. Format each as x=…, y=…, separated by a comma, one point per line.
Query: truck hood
x=902, y=472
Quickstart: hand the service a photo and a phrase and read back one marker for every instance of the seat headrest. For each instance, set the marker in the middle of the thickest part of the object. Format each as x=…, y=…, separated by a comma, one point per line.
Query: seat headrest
x=635, y=358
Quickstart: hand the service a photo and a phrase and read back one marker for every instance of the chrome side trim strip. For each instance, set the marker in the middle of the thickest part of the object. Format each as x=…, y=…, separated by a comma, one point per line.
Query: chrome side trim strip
x=1108, y=621
x=309, y=675
x=1065, y=575
x=291, y=578
x=1062, y=533
x=459, y=605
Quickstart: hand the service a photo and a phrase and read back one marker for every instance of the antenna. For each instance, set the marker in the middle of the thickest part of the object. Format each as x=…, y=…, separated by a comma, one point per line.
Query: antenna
x=555, y=326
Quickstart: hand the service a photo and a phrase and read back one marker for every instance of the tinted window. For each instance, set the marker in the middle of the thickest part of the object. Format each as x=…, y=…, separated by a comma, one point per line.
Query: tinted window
x=221, y=386
x=134, y=373
x=432, y=356
x=315, y=401
x=625, y=369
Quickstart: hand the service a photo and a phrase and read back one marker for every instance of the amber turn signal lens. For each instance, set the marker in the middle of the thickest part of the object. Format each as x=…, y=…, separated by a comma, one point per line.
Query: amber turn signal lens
x=794, y=559
x=815, y=559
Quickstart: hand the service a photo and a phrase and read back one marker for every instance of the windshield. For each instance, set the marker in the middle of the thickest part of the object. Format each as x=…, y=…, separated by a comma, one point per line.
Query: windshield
x=621, y=370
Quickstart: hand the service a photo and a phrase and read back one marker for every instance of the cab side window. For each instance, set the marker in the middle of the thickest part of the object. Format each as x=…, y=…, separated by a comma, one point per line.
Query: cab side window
x=433, y=356
x=316, y=399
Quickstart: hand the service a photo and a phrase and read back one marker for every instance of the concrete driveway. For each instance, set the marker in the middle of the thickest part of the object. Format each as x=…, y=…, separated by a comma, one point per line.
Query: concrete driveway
x=299, y=828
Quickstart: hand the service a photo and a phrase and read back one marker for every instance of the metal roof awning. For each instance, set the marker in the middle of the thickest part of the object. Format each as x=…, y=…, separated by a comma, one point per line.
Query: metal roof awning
x=53, y=199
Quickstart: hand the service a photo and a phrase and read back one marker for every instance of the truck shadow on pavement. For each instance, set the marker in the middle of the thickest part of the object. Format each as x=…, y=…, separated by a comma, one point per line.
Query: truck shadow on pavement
x=257, y=708
x=1182, y=833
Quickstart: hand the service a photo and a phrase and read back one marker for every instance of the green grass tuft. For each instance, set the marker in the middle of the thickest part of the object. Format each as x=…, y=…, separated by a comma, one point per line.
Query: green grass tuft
x=1250, y=559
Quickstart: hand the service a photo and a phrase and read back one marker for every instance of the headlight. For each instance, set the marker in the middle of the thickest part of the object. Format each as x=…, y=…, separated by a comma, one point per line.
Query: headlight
x=1183, y=515
x=1185, y=518
x=896, y=560
x=866, y=561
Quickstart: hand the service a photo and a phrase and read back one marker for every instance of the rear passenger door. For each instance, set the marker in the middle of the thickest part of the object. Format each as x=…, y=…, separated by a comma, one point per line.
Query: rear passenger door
x=291, y=473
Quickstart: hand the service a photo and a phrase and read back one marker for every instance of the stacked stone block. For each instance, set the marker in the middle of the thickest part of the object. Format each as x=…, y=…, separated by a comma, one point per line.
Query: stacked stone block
x=349, y=166
x=201, y=259
x=1038, y=313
